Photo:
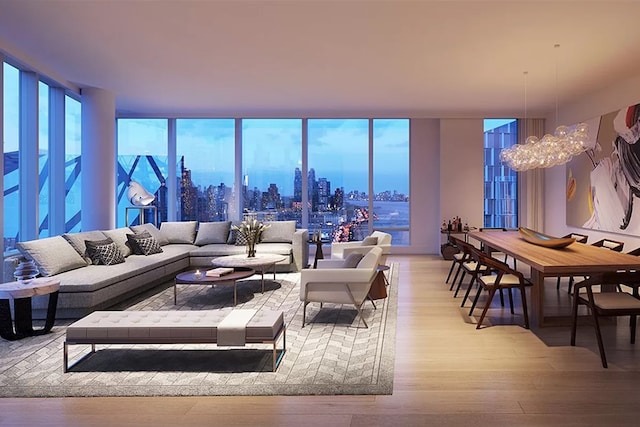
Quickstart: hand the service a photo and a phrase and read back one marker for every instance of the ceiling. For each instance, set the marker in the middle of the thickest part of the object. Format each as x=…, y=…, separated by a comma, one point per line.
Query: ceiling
x=337, y=58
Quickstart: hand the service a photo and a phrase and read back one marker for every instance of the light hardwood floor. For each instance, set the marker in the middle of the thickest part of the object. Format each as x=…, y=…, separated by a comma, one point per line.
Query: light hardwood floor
x=447, y=373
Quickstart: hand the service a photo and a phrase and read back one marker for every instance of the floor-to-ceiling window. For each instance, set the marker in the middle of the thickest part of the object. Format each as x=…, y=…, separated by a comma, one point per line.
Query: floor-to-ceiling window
x=11, y=138
x=72, y=175
x=338, y=178
x=205, y=152
x=391, y=178
x=271, y=153
x=500, y=181
x=142, y=157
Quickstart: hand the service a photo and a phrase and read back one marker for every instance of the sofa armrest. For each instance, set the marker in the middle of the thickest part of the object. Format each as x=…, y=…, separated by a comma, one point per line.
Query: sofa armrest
x=300, y=242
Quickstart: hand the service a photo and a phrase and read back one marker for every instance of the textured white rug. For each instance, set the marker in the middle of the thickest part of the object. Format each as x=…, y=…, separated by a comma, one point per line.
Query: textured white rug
x=334, y=354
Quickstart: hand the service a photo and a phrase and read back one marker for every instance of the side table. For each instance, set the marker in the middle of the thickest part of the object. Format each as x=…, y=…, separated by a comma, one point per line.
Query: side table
x=21, y=294
x=319, y=254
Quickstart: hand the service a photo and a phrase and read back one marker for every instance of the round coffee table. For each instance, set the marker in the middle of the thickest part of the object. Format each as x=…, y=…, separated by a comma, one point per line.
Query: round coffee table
x=21, y=293
x=191, y=278
x=260, y=263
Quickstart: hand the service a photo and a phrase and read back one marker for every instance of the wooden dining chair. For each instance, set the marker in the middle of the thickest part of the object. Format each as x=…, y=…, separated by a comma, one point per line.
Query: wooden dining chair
x=457, y=261
x=612, y=245
x=470, y=267
x=580, y=238
x=607, y=303
x=502, y=277
x=491, y=251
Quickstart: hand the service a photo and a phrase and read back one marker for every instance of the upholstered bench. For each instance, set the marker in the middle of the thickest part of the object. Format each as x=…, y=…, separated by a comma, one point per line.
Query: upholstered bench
x=221, y=327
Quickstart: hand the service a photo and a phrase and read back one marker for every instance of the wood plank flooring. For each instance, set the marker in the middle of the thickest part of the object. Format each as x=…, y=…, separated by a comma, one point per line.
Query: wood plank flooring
x=447, y=373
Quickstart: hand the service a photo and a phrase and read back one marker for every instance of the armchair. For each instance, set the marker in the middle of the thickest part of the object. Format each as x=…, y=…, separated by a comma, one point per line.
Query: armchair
x=341, y=250
x=339, y=285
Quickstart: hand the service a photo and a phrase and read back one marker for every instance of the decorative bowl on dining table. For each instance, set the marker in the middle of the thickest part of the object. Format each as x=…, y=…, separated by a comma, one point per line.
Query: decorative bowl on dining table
x=545, y=240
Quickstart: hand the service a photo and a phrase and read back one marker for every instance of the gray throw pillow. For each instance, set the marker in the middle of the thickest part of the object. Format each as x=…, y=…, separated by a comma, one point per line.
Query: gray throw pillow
x=279, y=232
x=370, y=241
x=213, y=232
x=52, y=255
x=119, y=237
x=352, y=260
x=77, y=241
x=179, y=231
x=151, y=229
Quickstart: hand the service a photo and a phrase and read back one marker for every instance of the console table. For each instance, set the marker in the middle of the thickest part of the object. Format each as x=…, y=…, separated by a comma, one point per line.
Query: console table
x=21, y=294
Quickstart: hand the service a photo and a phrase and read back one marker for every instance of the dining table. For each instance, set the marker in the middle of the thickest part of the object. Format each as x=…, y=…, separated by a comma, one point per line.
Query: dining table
x=576, y=259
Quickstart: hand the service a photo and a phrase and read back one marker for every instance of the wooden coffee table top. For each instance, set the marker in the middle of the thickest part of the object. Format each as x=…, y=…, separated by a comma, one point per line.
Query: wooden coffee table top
x=189, y=277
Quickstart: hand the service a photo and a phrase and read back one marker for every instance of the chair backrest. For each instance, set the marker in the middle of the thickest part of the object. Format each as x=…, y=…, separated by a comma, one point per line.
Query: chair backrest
x=613, y=245
x=371, y=259
x=383, y=238
x=497, y=266
x=580, y=238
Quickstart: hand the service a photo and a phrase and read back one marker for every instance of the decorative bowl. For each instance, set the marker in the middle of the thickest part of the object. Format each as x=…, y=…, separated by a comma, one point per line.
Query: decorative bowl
x=545, y=240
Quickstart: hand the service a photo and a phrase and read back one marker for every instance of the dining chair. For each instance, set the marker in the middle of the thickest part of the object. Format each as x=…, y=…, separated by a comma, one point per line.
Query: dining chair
x=458, y=259
x=474, y=268
x=502, y=277
x=607, y=303
x=580, y=238
x=491, y=251
x=612, y=245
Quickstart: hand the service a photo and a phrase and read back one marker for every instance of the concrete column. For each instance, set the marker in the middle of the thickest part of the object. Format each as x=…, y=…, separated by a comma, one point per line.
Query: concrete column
x=98, y=159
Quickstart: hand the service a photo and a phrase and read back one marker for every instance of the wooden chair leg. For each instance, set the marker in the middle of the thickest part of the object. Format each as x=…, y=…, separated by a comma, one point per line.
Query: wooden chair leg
x=453, y=282
x=632, y=319
x=558, y=284
x=596, y=325
x=492, y=292
x=475, y=300
x=466, y=294
x=453, y=264
x=464, y=273
x=523, y=293
x=510, y=300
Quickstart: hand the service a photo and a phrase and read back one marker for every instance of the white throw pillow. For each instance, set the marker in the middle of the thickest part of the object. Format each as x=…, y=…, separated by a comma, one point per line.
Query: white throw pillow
x=153, y=230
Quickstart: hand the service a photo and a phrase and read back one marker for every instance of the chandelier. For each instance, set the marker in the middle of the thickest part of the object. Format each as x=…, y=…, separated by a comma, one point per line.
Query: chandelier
x=552, y=150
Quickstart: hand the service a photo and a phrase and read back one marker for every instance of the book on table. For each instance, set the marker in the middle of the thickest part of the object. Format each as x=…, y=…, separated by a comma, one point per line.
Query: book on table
x=220, y=271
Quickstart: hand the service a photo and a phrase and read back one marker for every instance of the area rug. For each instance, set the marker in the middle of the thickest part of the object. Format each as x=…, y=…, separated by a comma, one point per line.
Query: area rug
x=333, y=354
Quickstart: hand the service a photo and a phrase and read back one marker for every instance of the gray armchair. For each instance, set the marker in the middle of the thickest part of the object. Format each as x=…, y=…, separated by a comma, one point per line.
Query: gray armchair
x=340, y=285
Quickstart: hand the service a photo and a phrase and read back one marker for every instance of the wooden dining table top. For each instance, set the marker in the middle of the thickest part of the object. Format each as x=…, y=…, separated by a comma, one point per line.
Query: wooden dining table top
x=577, y=258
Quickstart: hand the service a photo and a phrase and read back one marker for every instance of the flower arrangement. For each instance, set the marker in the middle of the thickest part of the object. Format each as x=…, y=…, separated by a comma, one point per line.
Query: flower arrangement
x=250, y=232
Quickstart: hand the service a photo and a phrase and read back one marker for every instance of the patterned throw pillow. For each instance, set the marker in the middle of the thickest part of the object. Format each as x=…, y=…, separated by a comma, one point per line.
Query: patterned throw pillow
x=103, y=252
x=241, y=239
x=143, y=244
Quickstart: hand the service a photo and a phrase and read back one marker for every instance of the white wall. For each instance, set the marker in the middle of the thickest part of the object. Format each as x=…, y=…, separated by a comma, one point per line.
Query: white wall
x=591, y=105
x=425, y=187
x=461, y=170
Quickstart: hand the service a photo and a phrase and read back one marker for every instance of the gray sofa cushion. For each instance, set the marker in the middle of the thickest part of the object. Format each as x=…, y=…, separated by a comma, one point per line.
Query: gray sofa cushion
x=179, y=232
x=77, y=241
x=279, y=232
x=53, y=255
x=352, y=260
x=119, y=237
x=153, y=230
x=213, y=232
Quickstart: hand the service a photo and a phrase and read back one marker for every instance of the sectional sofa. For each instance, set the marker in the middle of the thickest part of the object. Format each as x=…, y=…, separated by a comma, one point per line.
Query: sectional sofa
x=86, y=284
